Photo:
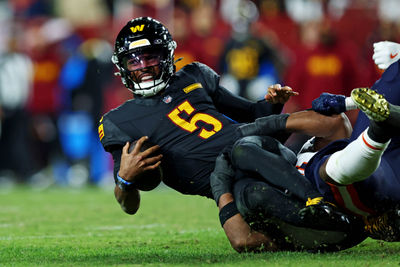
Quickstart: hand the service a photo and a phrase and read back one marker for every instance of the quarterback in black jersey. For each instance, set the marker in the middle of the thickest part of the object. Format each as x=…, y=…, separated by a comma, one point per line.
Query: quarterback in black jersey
x=187, y=114
x=186, y=122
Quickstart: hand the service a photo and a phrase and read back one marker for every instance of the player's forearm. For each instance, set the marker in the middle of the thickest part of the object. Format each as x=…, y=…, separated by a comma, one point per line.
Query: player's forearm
x=239, y=233
x=236, y=229
x=314, y=124
x=129, y=201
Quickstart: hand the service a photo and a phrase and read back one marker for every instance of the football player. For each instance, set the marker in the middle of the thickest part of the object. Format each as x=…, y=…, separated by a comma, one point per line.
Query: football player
x=365, y=197
x=386, y=55
x=380, y=190
x=363, y=177
x=185, y=113
x=337, y=169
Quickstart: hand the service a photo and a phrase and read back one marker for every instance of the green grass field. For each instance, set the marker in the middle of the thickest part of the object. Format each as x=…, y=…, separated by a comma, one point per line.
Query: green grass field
x=86, y=227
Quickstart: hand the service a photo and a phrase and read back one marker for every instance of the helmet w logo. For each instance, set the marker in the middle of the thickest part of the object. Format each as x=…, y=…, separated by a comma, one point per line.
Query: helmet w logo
x=137, y=28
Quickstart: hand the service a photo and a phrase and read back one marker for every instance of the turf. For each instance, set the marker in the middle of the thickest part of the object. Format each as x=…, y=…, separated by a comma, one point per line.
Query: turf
x=86, y=227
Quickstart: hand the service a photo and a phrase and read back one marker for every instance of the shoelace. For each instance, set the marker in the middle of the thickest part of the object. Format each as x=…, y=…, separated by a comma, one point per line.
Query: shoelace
x=314, y=201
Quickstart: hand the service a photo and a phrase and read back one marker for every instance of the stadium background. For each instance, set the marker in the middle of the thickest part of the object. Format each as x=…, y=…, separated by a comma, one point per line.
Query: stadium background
x=56, y=78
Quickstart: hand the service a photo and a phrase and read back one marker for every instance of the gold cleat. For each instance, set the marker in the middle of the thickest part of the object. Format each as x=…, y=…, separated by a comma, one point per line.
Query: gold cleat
x=374, y=225
x=374, y=105
x=384, y=227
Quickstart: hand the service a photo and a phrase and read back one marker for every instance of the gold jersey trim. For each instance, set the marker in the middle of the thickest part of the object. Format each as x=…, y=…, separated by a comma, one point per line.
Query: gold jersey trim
x=192, y=87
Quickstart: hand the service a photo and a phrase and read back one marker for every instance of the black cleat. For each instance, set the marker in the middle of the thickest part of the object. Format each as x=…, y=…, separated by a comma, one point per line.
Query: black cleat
x=385, y=227
x=322, y=215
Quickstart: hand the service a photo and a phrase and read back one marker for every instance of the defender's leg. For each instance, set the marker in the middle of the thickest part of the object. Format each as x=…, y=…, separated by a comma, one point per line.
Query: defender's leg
x=361, y=157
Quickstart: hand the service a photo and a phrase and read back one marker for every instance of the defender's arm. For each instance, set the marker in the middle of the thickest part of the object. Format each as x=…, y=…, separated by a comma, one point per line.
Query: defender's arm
x=239, y=233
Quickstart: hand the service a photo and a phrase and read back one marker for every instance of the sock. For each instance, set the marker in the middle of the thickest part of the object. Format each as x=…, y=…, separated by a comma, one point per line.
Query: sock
x=350, y=105
x=377, y=133
x=357, y=161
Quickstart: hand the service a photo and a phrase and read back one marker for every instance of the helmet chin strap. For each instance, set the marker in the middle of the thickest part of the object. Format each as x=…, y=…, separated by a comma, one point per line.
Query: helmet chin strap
x=152, y=90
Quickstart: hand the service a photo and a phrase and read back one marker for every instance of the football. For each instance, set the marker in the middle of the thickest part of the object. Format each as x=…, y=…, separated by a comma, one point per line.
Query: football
x=150, y=179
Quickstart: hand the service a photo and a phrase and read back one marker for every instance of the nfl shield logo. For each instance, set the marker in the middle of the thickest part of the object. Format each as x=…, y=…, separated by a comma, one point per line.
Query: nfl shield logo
x=167, y=99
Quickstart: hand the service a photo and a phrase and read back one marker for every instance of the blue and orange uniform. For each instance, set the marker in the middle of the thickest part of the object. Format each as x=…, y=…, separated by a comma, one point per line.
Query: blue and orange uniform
x=380, y=191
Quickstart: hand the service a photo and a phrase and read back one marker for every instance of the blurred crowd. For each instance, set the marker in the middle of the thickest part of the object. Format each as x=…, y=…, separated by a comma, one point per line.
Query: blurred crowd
x=56, y=76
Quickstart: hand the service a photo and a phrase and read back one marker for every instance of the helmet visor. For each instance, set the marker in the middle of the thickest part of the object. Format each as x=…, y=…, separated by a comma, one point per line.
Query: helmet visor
x=142, y=58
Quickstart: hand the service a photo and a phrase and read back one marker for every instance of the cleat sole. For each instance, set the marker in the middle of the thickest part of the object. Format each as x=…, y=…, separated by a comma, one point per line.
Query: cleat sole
x=374, y=105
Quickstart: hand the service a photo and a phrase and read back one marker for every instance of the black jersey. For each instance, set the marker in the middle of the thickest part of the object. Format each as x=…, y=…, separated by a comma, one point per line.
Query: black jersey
x=187, y=121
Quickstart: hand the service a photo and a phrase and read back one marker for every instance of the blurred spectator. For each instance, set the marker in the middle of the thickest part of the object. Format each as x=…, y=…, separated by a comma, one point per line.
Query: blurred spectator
x=389, y=10
x=208, y=33
x=16, y=71
x=84, y=77
x=46, y=100
x=181, y=32
x=31, y=8
x=248, y=64
x=276, y=25
x=6, y=19
x=355, y=24
x=321, y=64
x=82, y=13
x=305, y=10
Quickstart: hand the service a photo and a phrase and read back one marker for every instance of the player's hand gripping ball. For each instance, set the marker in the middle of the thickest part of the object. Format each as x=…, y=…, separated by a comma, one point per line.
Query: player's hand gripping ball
x=150, y=179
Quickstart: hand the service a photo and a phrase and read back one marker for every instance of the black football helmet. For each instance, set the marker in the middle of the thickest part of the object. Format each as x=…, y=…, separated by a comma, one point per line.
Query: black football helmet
x=144, y=44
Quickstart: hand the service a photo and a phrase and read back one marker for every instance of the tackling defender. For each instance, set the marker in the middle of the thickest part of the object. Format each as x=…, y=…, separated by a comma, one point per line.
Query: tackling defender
x=381, y=189
x=348, y=186
x=357, y=161
x=345, y=180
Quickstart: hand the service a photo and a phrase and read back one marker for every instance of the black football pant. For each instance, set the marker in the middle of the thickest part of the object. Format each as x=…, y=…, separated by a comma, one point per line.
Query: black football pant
x=258, y=199
x=266, y=158
x=275, y=213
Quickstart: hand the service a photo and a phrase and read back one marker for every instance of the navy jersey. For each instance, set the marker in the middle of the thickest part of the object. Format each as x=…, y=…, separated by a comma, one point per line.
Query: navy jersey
x=376, y=194
x=187, y=122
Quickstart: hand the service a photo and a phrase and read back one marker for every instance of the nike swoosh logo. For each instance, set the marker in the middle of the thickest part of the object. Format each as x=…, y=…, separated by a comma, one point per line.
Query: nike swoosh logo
x=393, y=56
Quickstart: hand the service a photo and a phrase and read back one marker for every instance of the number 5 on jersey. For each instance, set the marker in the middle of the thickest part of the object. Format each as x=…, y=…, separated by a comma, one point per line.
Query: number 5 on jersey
x=191, y=126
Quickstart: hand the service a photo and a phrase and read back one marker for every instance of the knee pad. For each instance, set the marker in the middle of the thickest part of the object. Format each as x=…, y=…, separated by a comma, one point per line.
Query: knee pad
x=243, y=147
x=256, y=195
